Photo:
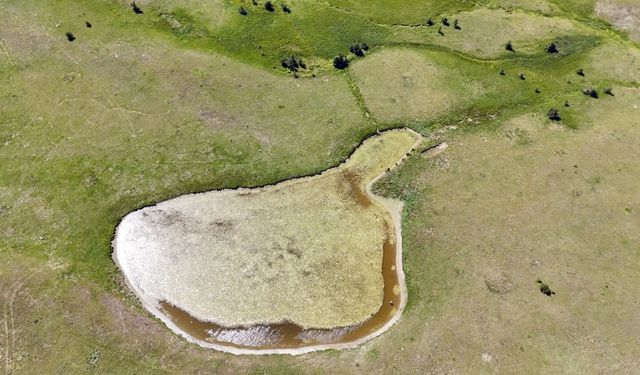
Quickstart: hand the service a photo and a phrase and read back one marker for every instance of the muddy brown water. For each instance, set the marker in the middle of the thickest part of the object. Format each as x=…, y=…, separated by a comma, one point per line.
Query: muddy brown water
x=291, y=336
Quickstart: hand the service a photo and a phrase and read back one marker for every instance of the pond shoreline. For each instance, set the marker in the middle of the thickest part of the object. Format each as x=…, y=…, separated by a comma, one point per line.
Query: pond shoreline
x=394, y=209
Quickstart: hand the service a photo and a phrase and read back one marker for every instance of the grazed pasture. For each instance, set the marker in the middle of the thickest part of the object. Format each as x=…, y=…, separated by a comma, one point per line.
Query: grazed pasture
x=185, y=97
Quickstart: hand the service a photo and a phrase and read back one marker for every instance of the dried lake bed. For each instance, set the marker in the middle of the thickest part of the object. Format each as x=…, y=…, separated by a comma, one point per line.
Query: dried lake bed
x=307, y=264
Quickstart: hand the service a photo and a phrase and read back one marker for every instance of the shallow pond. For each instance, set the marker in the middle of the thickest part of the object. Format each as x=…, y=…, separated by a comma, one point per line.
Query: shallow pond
x=291, y=336
x=307, y=264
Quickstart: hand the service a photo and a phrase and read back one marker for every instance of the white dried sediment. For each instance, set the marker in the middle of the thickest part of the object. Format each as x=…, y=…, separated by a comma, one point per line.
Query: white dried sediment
x=305, y=250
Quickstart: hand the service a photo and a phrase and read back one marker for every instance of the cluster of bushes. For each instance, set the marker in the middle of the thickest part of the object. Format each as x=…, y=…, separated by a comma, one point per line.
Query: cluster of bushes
x=359, y=49
x=268, y=6
x=591, y=92
x=342, y=62
x=551, y=48
x=134, y=7
x=445, y=22
x=553, y=113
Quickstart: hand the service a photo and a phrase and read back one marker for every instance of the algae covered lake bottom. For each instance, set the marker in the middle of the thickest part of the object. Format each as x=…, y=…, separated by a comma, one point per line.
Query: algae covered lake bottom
x=310, y=263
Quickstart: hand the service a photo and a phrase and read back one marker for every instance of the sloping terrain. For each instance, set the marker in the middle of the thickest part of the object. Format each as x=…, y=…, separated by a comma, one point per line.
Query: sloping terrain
x=192, y=96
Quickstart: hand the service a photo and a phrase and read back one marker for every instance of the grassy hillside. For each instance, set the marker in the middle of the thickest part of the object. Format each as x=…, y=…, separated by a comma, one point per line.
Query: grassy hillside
x=192, y=96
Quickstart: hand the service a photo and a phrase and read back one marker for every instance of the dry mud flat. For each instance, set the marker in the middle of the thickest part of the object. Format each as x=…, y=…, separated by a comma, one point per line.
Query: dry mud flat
x=307, y=264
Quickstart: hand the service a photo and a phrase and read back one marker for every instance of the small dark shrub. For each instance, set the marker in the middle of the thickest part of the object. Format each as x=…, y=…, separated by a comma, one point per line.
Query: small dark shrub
x=289, y=63
x=445, y=21
x=356, y=50
x=340, y=62
x=440, y=31
x=566, y=103
x=364, y=46
x=136, y=9
x=538, y=90
x=522, y=77
x=285, y=8
x=502, y=73
x=552, y=48
x=293, y=64
x=591, y=92
x=544, y=289
x=509, y=46
x=456, y=24
x=580, y=72
x=429, y=22
x=553, y=115
x=70, y=37
x=243, y=11
x=269, y=6
x=608, y=91
x=88, y=24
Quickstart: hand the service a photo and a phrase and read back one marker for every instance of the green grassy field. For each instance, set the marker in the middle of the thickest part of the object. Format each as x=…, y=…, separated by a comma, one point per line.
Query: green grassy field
x=191, y=96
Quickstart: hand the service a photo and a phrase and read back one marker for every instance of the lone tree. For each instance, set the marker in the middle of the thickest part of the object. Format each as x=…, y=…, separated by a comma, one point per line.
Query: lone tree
x=566, y=103
x=456, y=24
x=608, y=91
x=285, y=8
x=70, y=36
x=502, y=73
x=522, y=77
x=553, y=115
x=136, y=9
x=340, y=62
x=591, y=92
x=429, y=22
x=364, y=46
x=88, y=24
x=509, y=46
x=445, y=21
x=538, y=90
x=243, y=11
x=580, y=72
x=269, y=6
x=356, y=50
x=552, y=48
x=440, y=31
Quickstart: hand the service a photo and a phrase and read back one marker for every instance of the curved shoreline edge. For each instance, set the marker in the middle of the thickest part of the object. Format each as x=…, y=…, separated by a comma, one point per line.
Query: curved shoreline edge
x=394, y=208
